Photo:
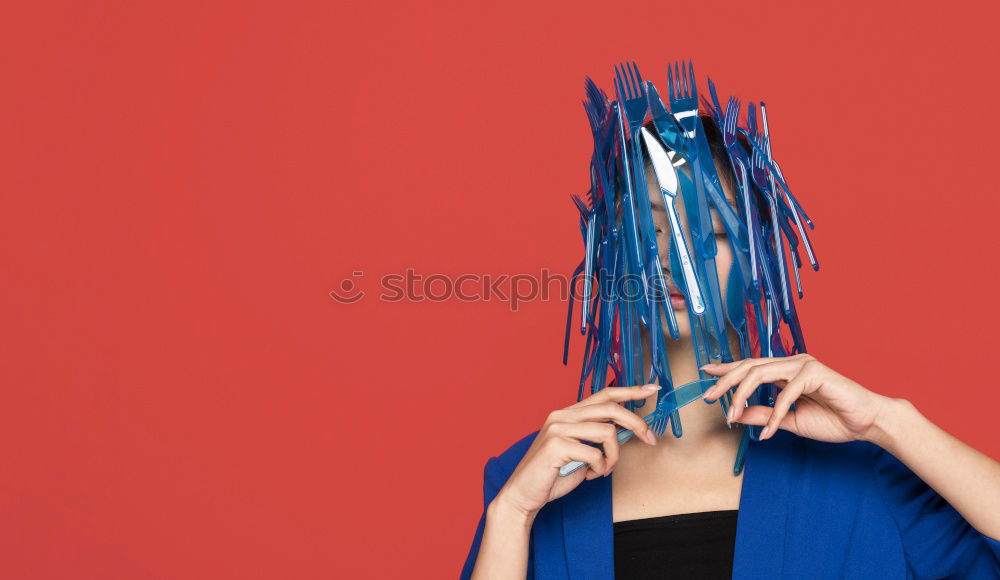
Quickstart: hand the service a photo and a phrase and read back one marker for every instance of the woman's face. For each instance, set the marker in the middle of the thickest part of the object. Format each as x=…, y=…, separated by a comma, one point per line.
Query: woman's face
x=723, y=257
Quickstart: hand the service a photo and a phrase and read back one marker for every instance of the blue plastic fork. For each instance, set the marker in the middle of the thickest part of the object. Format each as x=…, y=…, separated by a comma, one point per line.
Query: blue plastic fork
x=759, y=175
x=684, y=106
x=631, y=90
x=795, y=215
x=666, y=405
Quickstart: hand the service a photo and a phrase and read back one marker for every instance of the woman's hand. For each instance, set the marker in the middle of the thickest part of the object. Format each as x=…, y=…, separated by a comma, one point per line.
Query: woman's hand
x=536, y=480
x=829, y=406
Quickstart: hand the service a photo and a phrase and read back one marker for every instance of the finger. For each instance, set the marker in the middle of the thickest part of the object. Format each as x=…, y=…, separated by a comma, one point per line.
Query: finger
x=753, y=377
x=562, y=450
x=760, y=415
x=618, y=394
x=604, y=433
x=783, y=369
x=729, y=374
x=611, y=412
x=736, y=371
x=721, y=368
x=792, y=391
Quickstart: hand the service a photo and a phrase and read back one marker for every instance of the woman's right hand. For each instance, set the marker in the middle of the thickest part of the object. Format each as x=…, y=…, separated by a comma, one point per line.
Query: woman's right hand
x=536, y=480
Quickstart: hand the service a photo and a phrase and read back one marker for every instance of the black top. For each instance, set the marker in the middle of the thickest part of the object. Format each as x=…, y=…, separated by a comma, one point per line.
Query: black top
x=698, y=545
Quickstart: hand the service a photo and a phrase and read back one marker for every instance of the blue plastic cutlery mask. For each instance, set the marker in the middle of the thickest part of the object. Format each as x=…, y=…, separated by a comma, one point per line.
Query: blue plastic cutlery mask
x=652, y=222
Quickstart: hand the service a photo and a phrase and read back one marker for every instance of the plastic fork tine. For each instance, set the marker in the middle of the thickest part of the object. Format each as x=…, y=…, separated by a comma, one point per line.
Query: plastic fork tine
x=715, y=96
x=581, y=205
x=592, y=91
x=590, y=115
x=626, y=86
x=670, y=84
x=692, y=91
x=734, y=122
x=732, y=113
x=637, y=79
x=681, y=73
x=693, y=80
x=687, y=80
x=619, y=86
x=629, y=80
x=597, y=96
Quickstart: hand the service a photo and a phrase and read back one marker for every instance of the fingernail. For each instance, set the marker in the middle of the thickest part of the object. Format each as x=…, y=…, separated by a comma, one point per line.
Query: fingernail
x=730, y=414
x=763, y=432
x=651, y=387
x=707, y=400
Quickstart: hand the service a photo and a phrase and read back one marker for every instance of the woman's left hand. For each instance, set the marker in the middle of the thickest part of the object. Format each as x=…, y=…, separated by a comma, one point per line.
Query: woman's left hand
x=829, y=406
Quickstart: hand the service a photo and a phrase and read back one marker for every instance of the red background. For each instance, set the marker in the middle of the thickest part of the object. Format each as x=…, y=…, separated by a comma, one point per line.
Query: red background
x=183, y=183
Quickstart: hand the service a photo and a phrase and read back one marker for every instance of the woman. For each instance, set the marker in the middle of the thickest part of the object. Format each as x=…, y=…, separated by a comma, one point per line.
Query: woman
x=848, y=484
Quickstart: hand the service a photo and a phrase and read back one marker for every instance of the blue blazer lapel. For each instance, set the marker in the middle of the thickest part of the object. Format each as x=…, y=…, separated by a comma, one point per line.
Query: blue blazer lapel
x=768, y=481
x=588, y=530
x=761, y=527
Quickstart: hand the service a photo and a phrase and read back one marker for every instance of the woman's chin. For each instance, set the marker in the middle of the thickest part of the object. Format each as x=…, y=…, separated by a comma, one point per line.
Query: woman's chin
x=683, y=327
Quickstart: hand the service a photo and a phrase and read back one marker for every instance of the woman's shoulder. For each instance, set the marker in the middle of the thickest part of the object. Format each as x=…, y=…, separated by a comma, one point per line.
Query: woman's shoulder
x=848, y=452
x=837, y=472
x=858, y=458
x=855, y=469
x=864, y=456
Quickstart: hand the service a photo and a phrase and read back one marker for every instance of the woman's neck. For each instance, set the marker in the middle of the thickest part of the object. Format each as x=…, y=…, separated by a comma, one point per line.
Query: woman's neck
x=703, y=425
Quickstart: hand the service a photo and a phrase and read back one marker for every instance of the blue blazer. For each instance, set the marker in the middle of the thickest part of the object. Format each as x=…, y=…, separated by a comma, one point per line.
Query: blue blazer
x=807, y=510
